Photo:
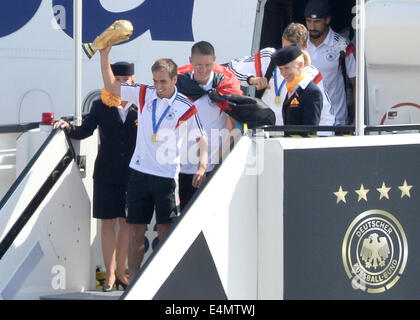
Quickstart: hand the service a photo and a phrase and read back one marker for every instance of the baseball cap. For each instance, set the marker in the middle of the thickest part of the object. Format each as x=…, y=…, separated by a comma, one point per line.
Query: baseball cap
x=317, y=9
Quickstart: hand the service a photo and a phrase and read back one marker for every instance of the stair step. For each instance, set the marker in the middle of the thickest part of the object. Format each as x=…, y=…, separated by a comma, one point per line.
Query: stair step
x=10, y=150
x=87, y=295
x=7, y=166
x=7, y=157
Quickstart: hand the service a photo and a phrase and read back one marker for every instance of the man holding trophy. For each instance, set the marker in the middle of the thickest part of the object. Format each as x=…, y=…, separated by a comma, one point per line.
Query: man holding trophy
x=166, y=119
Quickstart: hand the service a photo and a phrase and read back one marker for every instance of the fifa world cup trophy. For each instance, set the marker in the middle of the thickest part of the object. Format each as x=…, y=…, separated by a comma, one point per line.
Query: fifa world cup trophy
x=119, y=31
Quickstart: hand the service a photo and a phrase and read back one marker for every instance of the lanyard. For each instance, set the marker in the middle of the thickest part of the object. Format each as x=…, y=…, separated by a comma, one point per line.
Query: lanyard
x=276, y=88
x=157, y=125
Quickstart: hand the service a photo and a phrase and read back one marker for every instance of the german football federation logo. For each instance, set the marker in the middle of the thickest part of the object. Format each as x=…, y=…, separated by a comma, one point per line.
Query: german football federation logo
x=170, y=115
x=332, y=54
x=374, y=251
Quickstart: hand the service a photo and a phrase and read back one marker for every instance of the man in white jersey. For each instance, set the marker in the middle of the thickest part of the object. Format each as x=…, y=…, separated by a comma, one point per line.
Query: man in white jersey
x=196, y=80
x=166, y=119
x=325, y=48
x=256, y=69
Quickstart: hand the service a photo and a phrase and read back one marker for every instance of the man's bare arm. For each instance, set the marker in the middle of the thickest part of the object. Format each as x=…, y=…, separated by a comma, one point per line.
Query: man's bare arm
x=259, y=82
x=110, y=84
x=200, y=175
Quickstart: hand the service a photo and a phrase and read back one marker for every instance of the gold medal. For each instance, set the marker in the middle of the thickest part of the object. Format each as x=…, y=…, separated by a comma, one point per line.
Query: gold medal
x=154, y=137
x=277, y=100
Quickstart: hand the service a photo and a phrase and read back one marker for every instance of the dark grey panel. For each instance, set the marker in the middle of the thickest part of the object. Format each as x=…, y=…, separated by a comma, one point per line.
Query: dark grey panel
x=315, y=225
x=195, y=277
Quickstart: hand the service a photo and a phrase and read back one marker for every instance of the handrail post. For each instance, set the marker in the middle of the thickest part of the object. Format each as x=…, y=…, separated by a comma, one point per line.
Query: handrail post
x=77, y=32
x=360, y=68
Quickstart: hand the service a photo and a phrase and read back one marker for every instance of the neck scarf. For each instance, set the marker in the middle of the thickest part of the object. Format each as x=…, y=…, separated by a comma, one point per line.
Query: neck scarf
x=109, y=99
x=292, y=84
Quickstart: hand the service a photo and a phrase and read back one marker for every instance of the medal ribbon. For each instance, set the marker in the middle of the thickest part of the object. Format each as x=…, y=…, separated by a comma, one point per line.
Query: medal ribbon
x=276, y=89
x=157, y=125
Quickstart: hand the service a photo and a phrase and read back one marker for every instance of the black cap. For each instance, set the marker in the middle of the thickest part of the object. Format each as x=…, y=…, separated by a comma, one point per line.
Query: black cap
x=317, y=9
x=286, y=55
x=122, y=68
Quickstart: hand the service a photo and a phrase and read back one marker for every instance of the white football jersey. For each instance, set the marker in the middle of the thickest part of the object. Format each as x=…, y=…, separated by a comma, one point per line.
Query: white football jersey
x=179, y=124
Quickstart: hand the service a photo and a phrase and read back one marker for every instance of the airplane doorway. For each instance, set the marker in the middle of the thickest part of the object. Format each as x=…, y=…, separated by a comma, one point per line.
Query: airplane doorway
x=279, y=13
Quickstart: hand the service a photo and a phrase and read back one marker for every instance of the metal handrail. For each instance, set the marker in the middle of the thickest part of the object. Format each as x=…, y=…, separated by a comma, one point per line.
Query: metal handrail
x=339, y=129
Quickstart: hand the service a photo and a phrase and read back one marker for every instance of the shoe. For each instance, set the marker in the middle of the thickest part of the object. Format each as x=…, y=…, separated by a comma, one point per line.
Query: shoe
x=106, y=288
x=109, y=288
x=119, y=283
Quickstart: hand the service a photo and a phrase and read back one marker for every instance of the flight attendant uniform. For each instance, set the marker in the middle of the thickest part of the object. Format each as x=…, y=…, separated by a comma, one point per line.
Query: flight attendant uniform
x=303, y=106
x=303, y=102
x=117, y=141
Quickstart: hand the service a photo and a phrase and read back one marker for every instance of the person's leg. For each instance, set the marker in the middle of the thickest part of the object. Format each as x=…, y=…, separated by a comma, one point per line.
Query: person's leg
x=122, y=250
x=108, y=249
x=186, y=190
x=162, y=230
x=165, y=205
x=139, y=213
x=135, y=248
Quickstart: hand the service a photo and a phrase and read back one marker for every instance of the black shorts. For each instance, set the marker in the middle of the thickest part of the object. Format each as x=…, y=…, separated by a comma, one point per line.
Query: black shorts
x=147, y=193
x=108, y=200
x=186, y=190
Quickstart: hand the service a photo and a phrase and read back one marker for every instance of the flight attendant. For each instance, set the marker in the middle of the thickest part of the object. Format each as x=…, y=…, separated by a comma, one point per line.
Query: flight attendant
x=303, y=102
x=117, y=124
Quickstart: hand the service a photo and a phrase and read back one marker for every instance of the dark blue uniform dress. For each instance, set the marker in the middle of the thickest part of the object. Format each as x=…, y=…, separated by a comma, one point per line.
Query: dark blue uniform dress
x=117, y=143
x=303, y=107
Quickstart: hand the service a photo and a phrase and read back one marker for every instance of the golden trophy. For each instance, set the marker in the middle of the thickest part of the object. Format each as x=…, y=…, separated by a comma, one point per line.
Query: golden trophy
x=119, y=31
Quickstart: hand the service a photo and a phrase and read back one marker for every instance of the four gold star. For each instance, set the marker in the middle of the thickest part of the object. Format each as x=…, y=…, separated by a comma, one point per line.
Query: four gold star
x=383, y=192
x=405, y=189
x=341, y=195
x=362, y=192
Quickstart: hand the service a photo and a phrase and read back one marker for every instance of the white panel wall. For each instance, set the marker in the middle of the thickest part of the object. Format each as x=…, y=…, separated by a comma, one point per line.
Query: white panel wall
x=31, y=183
x=61, y=227
x=270, y=221
x=7, y=161
x=230, y=224
x=226, y=211
x=52, y=251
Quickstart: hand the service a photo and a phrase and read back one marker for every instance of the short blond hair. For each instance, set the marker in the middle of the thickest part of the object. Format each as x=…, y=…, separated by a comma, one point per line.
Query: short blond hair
x=167, y=65
x=296, y=33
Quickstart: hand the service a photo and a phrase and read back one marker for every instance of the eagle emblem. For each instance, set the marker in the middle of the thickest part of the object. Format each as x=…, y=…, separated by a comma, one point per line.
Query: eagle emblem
x=375, y=251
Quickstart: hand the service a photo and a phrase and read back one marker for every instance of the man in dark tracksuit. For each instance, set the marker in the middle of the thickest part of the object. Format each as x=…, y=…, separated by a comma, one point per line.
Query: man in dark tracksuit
x=117, y=124
x=303, y=103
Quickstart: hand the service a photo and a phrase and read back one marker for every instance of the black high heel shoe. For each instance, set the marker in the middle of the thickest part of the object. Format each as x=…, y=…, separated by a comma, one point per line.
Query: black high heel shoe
x=109, y=288
x=119, y=283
